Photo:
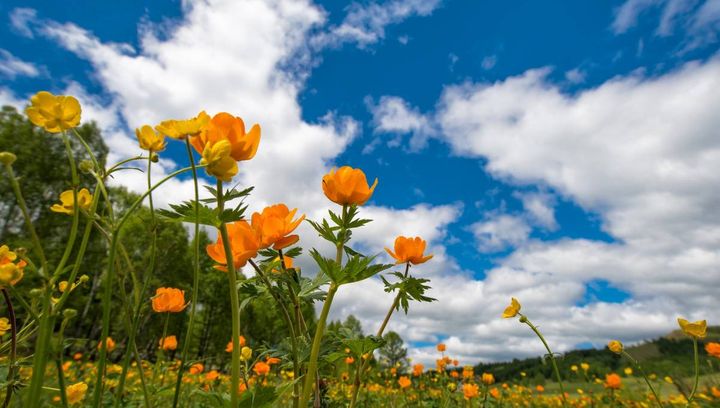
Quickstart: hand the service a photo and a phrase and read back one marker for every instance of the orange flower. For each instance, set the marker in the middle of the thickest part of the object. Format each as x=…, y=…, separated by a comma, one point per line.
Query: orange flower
x=454, y=374
x=540, y=388
x=168, y=300
x=212, y=375
x=261, y=368
x=225, y=126
x=229, y=347
x=110, y=344
x=349, y=360
x=613, y=381
x=169, y=343
x=409, y=250
x=287, y=261
x=197, y=368
x=347, y=186
x=243, y=242
x=418, y=370
x=274, y=225
x=495, y=393
x=272, y=360
x=713, y=349
x=488, y=379
x=404, y=382
x=441, y=347
x=468, y=372
x=470, y=391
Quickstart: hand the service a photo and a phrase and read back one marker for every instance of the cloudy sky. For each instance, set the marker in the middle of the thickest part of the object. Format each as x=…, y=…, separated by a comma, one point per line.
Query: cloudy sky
x=565, y=153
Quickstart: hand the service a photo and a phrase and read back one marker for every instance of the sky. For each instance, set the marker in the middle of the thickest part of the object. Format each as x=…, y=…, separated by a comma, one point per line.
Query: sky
x=564, y=153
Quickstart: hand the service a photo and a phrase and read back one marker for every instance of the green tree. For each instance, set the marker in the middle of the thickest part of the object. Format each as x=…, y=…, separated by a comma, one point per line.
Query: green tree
x=393, y=353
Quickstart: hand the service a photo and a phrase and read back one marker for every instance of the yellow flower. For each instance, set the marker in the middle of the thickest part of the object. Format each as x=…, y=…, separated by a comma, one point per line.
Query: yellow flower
x=696, y=329
x=62, y=286
x=10, y=271
x=150, y=139
x=628, y=371
x=76, y=392
x=574, y=368
x=216, y=156
x=67, y=201
x=53, y=113
x=585, y=366
x=225, y=126
x=180, y=129
x=615, y=346
x=246, y=353
x=512, y=310
x=4, y=325
x=347, y=186
x=488, y=379
x=668, y=379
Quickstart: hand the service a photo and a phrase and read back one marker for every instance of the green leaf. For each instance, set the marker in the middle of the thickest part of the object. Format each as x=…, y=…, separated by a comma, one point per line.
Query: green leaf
x=327, y=266
x=258, y=397
x=185, y=212
x=358, y=268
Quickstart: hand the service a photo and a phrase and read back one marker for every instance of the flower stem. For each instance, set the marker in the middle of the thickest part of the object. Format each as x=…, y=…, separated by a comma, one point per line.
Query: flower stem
x=315, y=351
x=234, y=304
x=525, y=320
x=107, y=295
x=196, y=278
x=697, y=371
x=642, y=372
x=13, y=348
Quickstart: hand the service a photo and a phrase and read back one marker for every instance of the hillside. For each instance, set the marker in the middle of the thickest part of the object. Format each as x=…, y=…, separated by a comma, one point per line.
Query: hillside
x=668, y=355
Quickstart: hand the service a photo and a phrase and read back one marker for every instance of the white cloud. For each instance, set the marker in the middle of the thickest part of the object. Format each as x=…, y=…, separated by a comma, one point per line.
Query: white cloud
x=489, y=62
x=575, y=76
x=498, y=233
x=20, y=19
x=393, y=115
x=11, y=66
x=699, y=19
x=540, y=209
x=365, y=24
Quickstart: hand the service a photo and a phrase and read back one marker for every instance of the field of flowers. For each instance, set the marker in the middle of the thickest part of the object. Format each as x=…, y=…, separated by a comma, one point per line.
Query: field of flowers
x=311, y=366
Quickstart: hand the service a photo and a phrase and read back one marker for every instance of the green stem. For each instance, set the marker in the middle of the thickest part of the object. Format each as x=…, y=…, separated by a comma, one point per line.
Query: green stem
x=61, y=382
x=381, y=330
x=234, y=304
x=107, y=295
x=697, y=371
x=525, y=320
x=26, y=217
x=13, y=348
x=161, y=350
x=196, y=279
x=76, y=210
x=315, y=351
x=642, y=372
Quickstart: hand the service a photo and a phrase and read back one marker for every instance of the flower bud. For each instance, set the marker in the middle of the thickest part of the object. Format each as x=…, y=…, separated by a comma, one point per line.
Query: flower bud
x=86, y=166
x=615, y=346
x=523, y=319
x=154, y=157
x=7, y=158
x=36, y=293
x=84, y=278
x=69, y=313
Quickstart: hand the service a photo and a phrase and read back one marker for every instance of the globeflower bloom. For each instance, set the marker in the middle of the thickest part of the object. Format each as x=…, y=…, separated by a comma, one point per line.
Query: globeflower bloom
x=347, y=186
x=67, y=201
x=4, y=325
x=218, y=162
x=76, y=392
x=149, y=139
x=512, y=310
x=404, y=382
x=696, y=329
x=229, y=347
x=713, y=349
x=168, y=300
x=225, y=126
x=613, y=381
x=243, y=242
x=109, y=342
x=54, y=113
x=11, y=272
x=441, y=347
x=169, y=343
x=196, y=368
x=274, y=225
x=409, y=249
x=181, y=129
x=488, y=379
x=470, y=391
x=616, y=346
x=261, y=368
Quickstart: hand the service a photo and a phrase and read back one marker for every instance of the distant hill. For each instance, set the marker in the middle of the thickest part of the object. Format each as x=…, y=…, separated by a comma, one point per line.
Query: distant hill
x=670, y=355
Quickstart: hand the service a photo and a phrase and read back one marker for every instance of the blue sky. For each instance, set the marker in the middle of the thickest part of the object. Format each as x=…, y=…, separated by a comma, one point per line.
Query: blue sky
x=544, y=148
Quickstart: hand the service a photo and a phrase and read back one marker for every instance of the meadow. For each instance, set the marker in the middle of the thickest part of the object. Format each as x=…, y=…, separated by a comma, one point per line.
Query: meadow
x=108, y=301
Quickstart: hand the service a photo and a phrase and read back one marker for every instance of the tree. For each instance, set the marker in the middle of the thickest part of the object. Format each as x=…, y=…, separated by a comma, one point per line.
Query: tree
x=393, y=353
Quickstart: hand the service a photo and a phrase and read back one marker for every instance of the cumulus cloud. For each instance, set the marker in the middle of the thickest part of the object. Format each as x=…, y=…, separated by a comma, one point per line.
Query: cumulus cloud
x=394, y=116
x=498, y=233
x=364, y=24
x=11, y=66
x=539, y=208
